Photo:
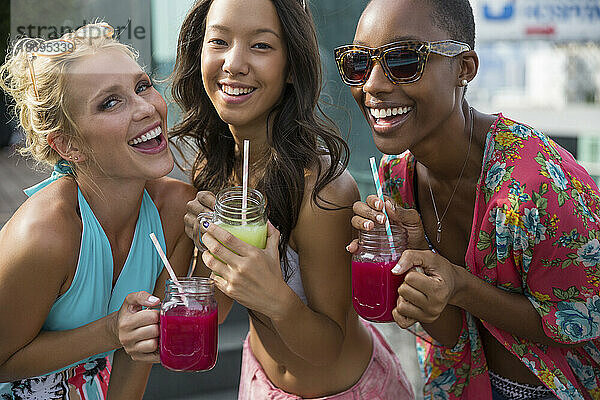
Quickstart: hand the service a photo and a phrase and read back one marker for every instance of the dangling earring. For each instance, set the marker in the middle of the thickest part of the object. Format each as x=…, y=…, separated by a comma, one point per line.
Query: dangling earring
x=464, y=82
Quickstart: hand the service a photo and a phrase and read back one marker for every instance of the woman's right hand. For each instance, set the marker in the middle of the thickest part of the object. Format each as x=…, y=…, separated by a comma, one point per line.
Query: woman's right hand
x=137, y=326
x=370, y=213
x=204, y=202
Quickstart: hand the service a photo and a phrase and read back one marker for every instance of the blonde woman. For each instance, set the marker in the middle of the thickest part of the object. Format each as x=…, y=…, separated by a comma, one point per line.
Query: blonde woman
x=79, y=245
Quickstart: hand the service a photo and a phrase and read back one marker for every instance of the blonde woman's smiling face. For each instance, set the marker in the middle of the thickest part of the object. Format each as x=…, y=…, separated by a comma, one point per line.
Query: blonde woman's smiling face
x=121, y=116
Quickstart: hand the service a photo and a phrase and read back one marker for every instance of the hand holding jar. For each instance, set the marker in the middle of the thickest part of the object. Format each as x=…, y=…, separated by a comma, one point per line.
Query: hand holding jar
x=182, y=335
x=369, y=214
x=374, y=287
x=424, y=295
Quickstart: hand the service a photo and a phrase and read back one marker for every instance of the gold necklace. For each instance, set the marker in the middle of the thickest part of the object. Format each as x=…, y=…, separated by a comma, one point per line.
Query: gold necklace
x=439, y=220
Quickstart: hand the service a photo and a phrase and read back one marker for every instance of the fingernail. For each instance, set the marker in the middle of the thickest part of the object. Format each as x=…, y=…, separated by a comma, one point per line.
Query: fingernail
x=380, y=218
x=367, y=224
x=378, y=204
x=390, y=205
x=205, y=224
x=348, y=248
x=397, y=270
x=153, y=299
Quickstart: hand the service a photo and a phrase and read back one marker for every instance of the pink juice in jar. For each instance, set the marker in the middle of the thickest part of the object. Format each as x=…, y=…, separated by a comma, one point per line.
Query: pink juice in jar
x=188, y=338
x=374, y=287
x=375, y=290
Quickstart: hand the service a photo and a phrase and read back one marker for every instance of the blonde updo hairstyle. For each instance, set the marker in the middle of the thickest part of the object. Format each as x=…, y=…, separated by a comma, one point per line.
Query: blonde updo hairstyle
x=49, y=111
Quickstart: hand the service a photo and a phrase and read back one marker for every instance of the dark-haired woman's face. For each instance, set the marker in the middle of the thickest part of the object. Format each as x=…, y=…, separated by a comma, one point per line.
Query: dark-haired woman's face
x=244, y=62
x=419, y=107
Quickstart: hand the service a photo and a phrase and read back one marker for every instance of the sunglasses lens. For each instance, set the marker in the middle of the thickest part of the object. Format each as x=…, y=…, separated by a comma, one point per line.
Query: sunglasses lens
x=403, y=64
x=354, y=65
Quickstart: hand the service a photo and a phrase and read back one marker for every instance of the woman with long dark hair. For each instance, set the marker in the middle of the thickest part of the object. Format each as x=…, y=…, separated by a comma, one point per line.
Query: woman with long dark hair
x=251, y=70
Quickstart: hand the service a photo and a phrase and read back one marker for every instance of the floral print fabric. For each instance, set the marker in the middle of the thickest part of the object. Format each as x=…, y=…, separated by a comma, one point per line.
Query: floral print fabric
x=86, y=381
x=536, y=231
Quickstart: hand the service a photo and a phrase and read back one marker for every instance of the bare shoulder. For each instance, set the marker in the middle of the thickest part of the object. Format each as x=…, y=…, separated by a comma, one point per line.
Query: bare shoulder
x=44, y=234
x=170, y=195
x=40, y=248
x=332, y=211
x=340, y=192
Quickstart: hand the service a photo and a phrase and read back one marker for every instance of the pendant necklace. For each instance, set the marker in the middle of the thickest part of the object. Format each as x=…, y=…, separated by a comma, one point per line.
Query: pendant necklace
x=437, y=217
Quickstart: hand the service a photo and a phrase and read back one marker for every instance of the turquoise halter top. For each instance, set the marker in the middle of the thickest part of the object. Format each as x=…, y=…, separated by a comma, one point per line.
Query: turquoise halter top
x=91, y=295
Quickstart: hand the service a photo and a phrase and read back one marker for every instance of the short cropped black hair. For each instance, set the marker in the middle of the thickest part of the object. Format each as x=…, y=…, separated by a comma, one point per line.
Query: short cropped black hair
x=456, y=18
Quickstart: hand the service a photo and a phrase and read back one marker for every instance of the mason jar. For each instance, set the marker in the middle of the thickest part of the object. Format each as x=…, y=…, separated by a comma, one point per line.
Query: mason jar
x=189, y=325
x=374, y=287
x=249, y=224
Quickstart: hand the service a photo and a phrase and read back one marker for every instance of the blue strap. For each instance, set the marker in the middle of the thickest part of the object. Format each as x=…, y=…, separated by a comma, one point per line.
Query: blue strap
x=61, y=168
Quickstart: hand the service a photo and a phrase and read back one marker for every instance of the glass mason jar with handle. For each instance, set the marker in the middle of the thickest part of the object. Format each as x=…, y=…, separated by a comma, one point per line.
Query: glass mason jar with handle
x=249, y=225
x=374, y=287
x=189, y=325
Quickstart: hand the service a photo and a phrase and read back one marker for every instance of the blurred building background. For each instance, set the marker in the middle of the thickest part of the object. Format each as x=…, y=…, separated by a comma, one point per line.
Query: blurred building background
x=539, y=64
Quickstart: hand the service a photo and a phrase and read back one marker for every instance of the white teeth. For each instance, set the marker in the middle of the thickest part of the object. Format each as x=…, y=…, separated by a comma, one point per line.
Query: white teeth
x=146, y=136
x=388, y=112
x=235, y=91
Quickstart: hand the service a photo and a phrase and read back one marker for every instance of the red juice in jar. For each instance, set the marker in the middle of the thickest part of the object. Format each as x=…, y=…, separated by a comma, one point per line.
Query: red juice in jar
x=189, y=326
x=375, y=290
x=188, y=339
x=374, y=287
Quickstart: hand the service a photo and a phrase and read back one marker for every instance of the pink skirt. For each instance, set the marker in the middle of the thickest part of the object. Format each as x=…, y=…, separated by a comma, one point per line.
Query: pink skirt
x=383, y=379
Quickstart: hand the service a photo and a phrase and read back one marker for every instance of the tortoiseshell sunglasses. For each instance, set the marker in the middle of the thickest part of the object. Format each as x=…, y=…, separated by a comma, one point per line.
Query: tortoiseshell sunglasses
x=402, y=62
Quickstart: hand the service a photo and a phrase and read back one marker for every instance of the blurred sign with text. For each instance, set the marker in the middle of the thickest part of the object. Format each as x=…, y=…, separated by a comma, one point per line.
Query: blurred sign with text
x=557, y=20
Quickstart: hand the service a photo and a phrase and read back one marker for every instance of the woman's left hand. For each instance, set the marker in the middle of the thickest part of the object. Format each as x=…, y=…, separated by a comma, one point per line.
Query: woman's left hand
x=423, y=296
x=247, y=274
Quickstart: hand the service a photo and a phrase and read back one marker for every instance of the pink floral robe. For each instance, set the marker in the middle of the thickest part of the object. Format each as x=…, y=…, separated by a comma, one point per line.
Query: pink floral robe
x=535, y=232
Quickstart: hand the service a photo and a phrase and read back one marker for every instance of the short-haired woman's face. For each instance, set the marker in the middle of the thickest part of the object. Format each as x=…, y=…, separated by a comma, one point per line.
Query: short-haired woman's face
x=121, y=116
x=244, y=61
x=420, y=106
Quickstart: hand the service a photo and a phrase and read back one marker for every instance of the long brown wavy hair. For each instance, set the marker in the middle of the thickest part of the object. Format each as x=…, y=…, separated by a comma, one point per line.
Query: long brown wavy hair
x=301, y=132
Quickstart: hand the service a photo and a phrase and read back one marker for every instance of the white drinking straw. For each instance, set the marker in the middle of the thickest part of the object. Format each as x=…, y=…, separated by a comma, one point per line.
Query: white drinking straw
x=388, y=229
x=165, y=261
x=245, y=181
